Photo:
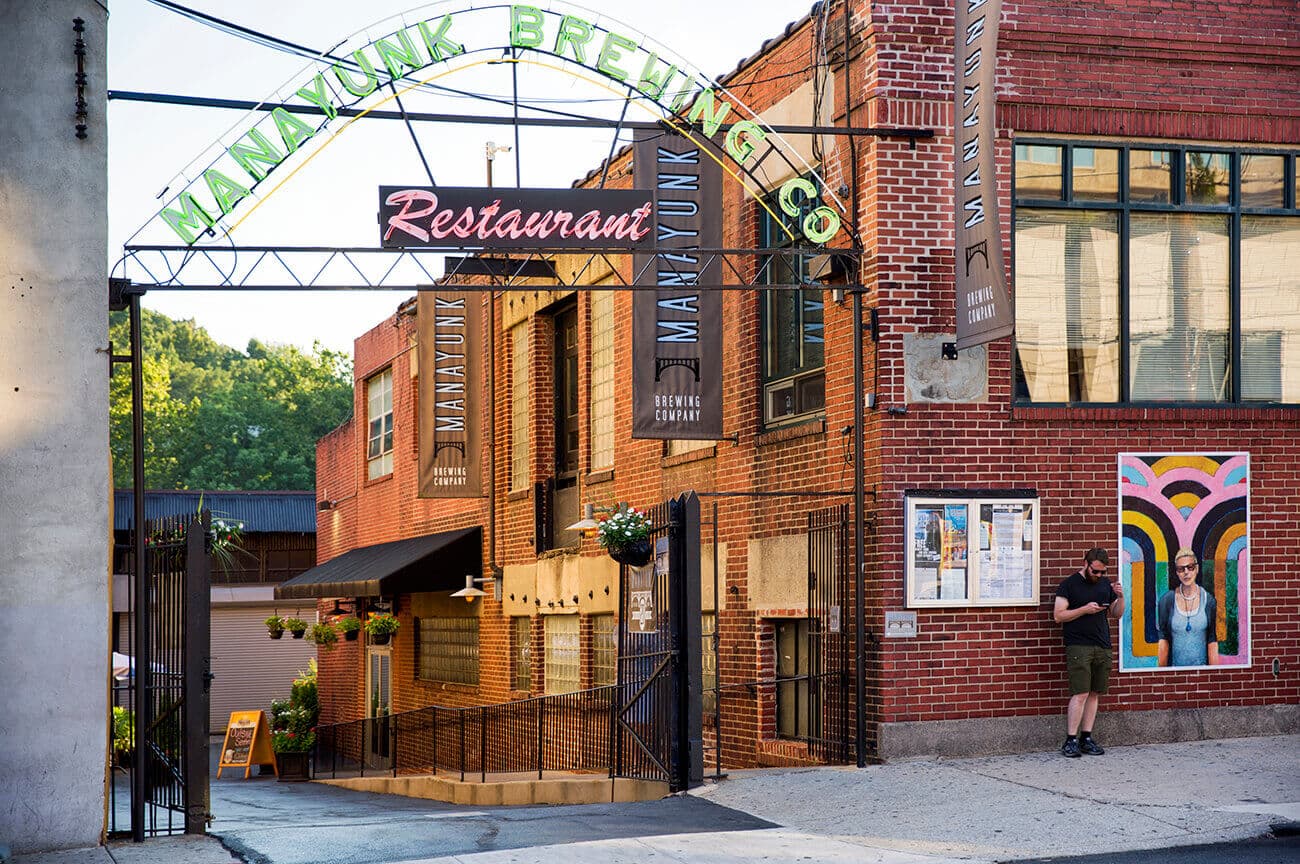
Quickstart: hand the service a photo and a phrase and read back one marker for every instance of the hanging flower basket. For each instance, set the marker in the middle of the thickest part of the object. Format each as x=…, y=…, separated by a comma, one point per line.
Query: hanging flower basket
x=381, y=627
x=625, y=534
x=296, y=627
x=350, y=627
x=635, y=554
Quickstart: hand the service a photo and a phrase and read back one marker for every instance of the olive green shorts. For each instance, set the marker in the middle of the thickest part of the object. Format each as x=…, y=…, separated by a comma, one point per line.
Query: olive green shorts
x=1089, y=668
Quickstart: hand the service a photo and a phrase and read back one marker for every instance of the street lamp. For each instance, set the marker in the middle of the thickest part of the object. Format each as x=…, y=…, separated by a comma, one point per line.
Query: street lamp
x=491, y=150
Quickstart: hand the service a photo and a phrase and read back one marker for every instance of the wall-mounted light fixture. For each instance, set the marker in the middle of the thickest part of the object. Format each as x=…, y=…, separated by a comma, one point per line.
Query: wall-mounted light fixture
x=470, y=591
x=587, y=526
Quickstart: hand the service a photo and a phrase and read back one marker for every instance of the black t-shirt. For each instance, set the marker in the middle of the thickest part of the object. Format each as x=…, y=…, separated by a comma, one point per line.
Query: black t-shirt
x=1087, y=629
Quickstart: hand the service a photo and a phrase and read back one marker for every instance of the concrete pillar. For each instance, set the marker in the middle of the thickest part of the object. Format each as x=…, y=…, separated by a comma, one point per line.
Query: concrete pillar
x=54, y=489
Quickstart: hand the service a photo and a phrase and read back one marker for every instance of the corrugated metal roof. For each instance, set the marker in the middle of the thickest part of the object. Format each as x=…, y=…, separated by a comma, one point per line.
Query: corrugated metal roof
x=261, y=512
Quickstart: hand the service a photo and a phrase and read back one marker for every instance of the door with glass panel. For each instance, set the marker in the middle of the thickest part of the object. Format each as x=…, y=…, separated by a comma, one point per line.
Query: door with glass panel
x=379, y=662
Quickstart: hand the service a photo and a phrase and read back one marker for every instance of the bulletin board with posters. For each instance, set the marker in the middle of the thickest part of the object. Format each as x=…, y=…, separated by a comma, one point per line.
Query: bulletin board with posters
x=972, y=550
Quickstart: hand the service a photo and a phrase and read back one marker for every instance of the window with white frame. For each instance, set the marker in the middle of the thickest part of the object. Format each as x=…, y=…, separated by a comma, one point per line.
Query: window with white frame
x=519, y=426
x=563, y=656
x=379, y=416
x=446, y=649
x=971, y=551
x=604, y=650
x=602, y=380
x=1156, y=273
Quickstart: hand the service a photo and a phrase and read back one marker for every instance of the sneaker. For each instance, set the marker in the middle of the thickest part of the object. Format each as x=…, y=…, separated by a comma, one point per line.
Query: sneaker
x=1071, y=749
x=1092, y=748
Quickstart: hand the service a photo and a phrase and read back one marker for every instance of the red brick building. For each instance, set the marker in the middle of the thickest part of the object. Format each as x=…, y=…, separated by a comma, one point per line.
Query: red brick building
x=1147, y=184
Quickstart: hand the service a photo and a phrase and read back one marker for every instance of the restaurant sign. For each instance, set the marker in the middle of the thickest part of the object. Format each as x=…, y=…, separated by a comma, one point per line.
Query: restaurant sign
x=443, y=216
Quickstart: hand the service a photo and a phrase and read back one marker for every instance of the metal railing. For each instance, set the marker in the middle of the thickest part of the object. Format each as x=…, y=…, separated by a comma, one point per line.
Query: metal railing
x=567, y=732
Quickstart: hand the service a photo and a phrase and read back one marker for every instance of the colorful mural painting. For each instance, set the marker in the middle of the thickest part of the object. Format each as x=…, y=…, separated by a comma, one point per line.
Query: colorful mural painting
x=1173, y=501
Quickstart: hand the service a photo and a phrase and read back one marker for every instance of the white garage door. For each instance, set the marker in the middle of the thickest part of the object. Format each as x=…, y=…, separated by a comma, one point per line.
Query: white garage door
x=251, y=668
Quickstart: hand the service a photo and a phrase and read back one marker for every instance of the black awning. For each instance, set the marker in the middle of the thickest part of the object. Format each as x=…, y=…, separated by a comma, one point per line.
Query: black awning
x=434, y=562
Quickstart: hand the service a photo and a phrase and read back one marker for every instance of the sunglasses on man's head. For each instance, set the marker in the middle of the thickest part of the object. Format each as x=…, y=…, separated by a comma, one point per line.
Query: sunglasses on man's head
x=1098, y=571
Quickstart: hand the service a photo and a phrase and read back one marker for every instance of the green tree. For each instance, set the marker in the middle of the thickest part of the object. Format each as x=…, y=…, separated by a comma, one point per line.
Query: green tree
x=216, y=418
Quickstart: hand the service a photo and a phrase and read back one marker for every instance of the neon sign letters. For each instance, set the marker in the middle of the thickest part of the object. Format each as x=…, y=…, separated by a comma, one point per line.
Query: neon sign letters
x=566, y=218
x=237, y=170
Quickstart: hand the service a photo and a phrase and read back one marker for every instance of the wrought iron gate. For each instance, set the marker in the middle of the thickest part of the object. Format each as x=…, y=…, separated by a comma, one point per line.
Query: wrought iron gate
x=161, y=775
x=830, y=607
x=656, y=727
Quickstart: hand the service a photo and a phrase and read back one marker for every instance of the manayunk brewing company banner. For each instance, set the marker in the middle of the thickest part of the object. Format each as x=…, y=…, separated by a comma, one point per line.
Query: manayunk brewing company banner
x=983, y=305
x=677, y=329
x=450, y=330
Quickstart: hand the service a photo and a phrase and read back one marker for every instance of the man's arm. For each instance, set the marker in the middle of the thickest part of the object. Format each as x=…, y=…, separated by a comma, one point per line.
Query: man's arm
x=1062, y=612
x=1117, y=605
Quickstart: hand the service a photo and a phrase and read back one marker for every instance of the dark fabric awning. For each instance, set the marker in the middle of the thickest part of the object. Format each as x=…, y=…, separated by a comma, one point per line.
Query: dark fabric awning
x=434, y=562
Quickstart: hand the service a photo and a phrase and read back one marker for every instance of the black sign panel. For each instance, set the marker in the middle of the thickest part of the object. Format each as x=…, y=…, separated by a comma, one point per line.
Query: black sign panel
x=490, y=218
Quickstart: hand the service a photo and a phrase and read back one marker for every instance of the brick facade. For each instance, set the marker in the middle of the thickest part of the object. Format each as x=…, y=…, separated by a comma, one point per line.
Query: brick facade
x=1166, y=70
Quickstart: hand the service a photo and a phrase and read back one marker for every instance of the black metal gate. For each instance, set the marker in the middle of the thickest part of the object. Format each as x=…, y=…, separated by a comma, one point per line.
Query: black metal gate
x=830, y=607
x=656, y=728
x=160, y=766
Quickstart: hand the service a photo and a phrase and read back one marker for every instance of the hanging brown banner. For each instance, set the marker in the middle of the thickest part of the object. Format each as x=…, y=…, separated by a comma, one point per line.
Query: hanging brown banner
x=450, y=332
x=677, y=329
x=983, y=306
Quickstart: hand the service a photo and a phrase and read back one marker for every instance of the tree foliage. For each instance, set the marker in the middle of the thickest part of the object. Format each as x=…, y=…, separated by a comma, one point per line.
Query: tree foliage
x=216, y=418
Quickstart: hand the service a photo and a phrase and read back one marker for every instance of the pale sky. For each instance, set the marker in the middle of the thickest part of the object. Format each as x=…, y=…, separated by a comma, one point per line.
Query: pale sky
x=332, y=202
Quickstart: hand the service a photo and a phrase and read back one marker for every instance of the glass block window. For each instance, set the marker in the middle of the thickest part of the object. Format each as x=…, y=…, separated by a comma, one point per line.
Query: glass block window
x=792, y=678
x=519, y=378
x=379, y=417
x=602, y=380
x=709, y=660
x=446, y=649
x=604, y=650
x=521, y=652
x=563, y=656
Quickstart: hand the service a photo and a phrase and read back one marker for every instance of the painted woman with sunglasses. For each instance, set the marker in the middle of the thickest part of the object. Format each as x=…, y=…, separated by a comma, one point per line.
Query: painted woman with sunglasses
x=1187, y=618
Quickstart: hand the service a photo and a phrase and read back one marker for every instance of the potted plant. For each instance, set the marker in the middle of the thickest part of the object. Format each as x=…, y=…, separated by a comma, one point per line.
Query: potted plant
x=293, y=727
x=381, y=626
x=350, y=627
x=296, y=626
x=625, y=535
x=274, y=626
x=292, y=754
x=324, y=635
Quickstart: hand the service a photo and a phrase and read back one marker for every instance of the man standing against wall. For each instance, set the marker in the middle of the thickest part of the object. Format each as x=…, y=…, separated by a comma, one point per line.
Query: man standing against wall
x=1085, y=602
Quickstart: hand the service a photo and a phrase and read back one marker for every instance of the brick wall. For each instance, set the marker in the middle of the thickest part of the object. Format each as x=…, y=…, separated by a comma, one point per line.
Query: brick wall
x=1159, y=68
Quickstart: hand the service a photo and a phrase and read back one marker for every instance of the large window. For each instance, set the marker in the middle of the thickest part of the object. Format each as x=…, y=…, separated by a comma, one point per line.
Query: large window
x=602, y=380
x=794, y=373
x=1156, y=274
x=604, y=650
x=379, y=414
x=563, y=656
x=519, y=377
x=446, y=649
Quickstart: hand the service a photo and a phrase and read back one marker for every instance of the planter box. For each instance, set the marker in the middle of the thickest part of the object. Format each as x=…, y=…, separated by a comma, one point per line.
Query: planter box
x=293, y=767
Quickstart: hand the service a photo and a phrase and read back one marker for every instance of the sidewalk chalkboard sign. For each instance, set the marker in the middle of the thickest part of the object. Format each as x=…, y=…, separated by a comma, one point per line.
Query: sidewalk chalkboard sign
x=248, y=743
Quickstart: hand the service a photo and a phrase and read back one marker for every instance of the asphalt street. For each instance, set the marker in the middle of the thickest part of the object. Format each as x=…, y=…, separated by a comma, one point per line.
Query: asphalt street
x=267, y=822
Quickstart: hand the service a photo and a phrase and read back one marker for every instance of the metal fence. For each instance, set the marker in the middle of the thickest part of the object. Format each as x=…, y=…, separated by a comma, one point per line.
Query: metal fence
x=567, y=732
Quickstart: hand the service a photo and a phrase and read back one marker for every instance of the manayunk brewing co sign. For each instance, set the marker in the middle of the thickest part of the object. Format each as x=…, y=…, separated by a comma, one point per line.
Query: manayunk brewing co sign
x=208, y=204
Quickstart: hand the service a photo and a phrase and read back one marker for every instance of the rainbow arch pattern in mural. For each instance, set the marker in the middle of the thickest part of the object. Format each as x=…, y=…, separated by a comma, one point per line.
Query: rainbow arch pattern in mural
x=1193, y=500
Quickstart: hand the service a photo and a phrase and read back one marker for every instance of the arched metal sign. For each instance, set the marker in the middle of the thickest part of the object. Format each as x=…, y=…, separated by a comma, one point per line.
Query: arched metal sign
x=260, y=154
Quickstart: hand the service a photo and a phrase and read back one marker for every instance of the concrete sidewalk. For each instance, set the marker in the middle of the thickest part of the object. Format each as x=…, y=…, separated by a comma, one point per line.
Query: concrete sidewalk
x=983, y=810
x=927, y=812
